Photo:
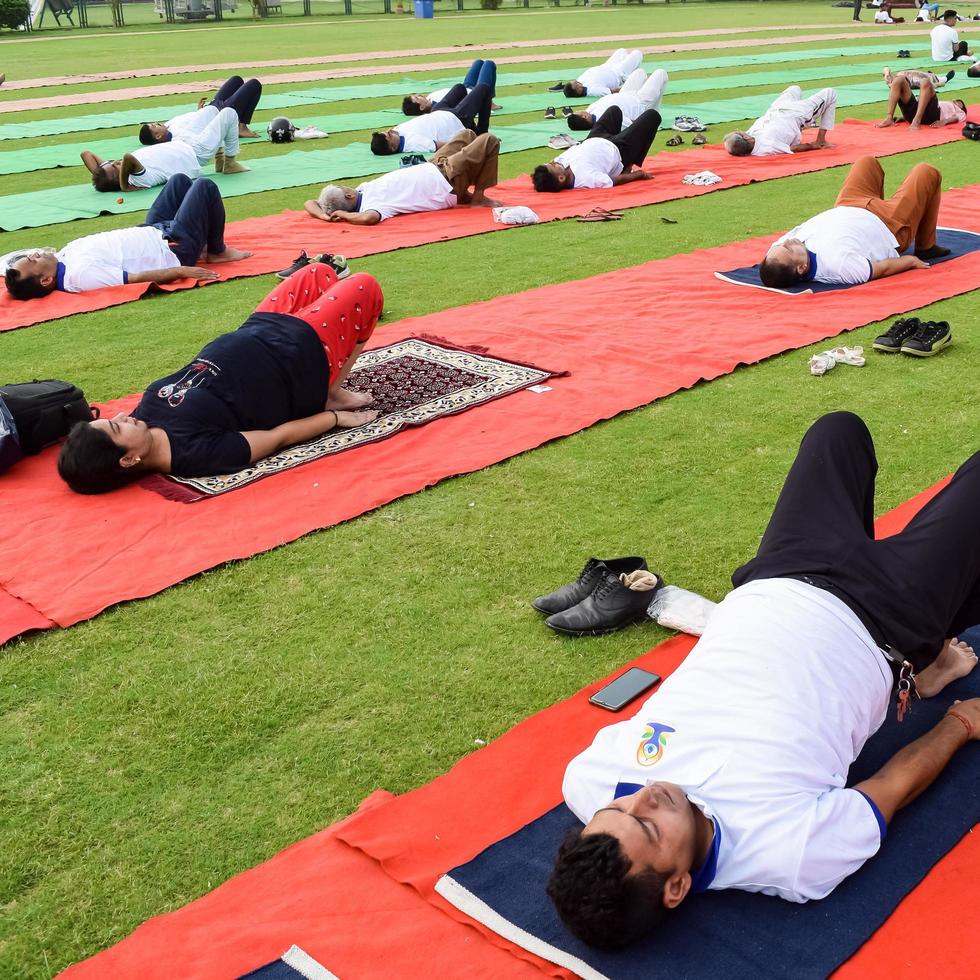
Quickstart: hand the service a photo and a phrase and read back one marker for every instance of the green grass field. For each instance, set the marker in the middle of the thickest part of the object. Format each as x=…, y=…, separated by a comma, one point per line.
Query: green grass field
x=152, y=753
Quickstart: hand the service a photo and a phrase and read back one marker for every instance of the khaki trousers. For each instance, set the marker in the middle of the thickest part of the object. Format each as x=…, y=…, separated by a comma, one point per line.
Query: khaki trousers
x=910, y=214
x=468, y=160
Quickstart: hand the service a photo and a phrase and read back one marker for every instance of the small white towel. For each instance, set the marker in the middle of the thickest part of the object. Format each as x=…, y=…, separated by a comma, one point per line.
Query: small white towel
x=310, y=133
x=515, y=216
x=704, y=178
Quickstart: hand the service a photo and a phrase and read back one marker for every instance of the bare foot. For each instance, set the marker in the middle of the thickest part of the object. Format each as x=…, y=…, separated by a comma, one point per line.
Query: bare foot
x=228, y=255
x=956, y=660
x=202, y=102
x=343, y=400
x=487, y=202
x=889, y=77
x=885, y=123
x=245, y=133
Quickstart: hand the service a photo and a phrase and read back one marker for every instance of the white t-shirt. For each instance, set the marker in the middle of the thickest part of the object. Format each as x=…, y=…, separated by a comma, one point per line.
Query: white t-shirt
x=778, y=131
x=405, y=191
x=630, y=105
x=846, y=243
x=162, y=160
x=423, y=132
x=107, y=259
x=600, y=80
x=759, y=726
x=943, y=39
x=594, y=162
x=190, y=124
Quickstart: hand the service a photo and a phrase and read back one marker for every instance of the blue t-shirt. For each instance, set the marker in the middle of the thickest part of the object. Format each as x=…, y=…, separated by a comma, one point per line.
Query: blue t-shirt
x=271, y=370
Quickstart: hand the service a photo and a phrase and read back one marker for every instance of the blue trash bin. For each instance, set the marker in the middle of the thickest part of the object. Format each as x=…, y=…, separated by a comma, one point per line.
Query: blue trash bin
x=423, y=9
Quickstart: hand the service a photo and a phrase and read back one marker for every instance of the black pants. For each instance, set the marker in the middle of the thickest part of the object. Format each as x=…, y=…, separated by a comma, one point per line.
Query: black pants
x=857, y=9
x=913, y=590
x=192, y=216
x=242, y=96
x=635, y=141
x=471, y=108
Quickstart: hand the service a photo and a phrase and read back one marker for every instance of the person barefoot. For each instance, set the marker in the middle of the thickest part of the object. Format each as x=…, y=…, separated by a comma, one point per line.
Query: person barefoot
x=344, y=400
x=228, y=255
x=956, y=660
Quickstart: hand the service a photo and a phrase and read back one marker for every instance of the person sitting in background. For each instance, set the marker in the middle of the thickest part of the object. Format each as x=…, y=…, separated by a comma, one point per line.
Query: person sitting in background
x=946, y=43
x=275, y=381
x=862, y=236
x=185, y=225
x=480, y=73
x=426, y=133
x=235, y=93
x=927, y=110
x=465, y=161
x=779, y=129
x=606, y=78
x=638, y=94
x=155, y=164
x=728, y=777
x=605, y=158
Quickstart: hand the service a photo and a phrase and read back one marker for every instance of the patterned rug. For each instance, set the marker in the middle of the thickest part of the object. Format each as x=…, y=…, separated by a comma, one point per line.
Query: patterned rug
x=414, y=381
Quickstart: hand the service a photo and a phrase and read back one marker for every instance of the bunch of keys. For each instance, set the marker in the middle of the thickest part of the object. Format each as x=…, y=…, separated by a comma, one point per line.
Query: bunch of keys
x=906, y=691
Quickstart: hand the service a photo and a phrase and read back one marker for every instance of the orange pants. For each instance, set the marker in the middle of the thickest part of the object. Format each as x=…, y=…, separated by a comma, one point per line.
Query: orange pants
x=910, y=214
x=343, y=312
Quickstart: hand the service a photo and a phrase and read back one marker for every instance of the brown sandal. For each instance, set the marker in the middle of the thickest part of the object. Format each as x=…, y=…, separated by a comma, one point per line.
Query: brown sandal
x=699, y=140
x=600, y=214
x=675, y=141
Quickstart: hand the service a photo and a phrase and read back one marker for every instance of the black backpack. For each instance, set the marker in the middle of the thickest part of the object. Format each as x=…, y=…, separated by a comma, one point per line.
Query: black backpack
x=972, y=131
x=42, y=412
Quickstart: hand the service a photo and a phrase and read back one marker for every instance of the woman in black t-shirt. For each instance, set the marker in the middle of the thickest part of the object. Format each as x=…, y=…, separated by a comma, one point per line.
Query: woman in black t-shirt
x=276, y=381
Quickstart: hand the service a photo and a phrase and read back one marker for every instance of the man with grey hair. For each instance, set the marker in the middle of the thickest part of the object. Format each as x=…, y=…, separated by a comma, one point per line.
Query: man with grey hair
x=466, y=161
x=778, y=129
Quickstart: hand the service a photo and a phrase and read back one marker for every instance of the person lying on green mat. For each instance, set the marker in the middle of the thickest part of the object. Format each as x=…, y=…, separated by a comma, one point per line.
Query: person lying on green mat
x=862, y=236
x=275, y=381
x=733, y=774
x=240, y=95
x=185, y=225
x=465, y=161
x=154, y=164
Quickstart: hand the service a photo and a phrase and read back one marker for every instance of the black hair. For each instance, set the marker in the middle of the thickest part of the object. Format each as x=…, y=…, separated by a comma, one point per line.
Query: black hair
x=597, y=898
x=960, y=103
x=105, y=180
x=949, y=13
x=380, y=146
x=570, y=92
x=410, y=107
x=146, y=135
x=25, y=287
x=544, y=180
x=89, y=461
x=575, y=121
x=777, y=275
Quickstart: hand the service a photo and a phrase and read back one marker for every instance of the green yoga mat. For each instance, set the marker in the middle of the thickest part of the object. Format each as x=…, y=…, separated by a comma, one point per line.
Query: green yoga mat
x=294, y=169
x=288, y=100
x=67, y=154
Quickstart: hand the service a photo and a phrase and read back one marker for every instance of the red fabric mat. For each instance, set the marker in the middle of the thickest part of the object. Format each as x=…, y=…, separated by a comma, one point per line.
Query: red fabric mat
x=277, y=239
x=338, y=904
x=69, y=556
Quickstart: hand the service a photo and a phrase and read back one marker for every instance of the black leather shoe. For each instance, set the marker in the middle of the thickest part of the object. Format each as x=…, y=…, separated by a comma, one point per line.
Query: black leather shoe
x=610, y=607
x=590, y=576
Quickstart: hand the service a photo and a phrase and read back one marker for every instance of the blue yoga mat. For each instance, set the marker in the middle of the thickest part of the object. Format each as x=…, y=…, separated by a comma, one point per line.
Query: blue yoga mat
x=294, y=964
x=730, y=934
x=958, y=241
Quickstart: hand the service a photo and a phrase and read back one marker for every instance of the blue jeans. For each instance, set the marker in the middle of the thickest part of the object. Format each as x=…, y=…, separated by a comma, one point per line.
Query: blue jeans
x=482, y=73
x=192, y=216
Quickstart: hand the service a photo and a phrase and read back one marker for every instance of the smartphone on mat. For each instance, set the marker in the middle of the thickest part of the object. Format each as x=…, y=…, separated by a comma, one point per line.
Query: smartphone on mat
x=618, y=693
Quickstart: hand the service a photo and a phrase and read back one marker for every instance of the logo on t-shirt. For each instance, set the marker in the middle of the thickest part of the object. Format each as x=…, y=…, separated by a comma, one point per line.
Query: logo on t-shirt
x=195, y=376
x=652, y=743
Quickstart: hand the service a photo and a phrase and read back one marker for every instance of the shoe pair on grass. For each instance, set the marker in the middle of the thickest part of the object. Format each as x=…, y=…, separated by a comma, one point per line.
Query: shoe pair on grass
x=910, y=335
x=336, y=262
x=607, y=595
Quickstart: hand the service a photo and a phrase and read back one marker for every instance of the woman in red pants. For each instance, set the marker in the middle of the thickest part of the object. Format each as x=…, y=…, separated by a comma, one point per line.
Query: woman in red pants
x=275, y=381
